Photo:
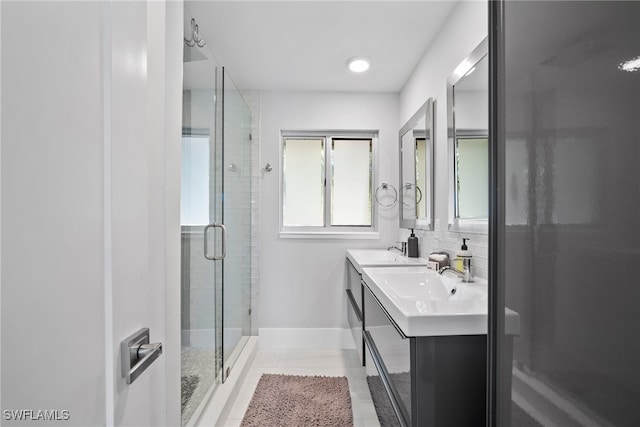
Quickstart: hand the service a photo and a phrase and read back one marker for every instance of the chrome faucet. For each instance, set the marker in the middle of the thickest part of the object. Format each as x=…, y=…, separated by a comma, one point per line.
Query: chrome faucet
x=402, y=249
x=465, y=274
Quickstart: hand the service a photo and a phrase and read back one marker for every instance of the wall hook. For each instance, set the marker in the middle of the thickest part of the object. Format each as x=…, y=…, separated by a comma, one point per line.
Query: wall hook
x=195, y=39
x=268, y=167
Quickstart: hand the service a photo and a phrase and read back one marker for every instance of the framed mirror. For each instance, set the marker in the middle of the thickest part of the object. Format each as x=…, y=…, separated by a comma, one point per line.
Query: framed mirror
x=468, y=142
x=416, y=146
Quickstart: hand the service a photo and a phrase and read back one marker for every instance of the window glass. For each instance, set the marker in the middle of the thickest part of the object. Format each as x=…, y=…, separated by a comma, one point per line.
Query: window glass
x=351, y=182
x=194, y=195
x=303, y=187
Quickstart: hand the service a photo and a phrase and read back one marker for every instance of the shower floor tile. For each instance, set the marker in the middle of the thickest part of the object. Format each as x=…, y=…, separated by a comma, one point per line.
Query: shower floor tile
x=199, y=363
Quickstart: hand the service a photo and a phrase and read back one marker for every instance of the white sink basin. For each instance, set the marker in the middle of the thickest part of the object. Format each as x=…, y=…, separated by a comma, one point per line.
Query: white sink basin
x=361, y=258
x=425, y=303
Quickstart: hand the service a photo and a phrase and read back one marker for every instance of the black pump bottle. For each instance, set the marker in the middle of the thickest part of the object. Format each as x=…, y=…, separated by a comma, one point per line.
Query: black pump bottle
x=412, y=246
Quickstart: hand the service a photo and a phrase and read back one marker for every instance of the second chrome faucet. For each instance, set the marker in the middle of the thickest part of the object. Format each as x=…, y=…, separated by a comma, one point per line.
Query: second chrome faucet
x=465, y=274
x=402, y=249
x=444, y=260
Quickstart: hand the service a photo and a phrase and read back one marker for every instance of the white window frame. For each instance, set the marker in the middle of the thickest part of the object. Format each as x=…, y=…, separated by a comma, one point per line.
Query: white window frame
x=329, y=231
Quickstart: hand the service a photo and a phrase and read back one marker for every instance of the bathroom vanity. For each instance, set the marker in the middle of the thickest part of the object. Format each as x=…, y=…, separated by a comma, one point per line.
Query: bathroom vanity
x=356, y=260
x=426, y=342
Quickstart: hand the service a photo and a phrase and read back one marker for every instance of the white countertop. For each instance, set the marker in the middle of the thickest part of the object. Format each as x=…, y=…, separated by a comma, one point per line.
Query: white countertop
x=425, y=303
x=361, y=258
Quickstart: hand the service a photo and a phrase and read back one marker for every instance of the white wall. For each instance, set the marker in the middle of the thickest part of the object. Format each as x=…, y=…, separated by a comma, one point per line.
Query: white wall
x=465, y=28
x=302, y=280
x=90, y=231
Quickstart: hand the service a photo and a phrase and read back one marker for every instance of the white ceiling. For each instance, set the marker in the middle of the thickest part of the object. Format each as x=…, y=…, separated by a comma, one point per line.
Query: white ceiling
x=304, y=45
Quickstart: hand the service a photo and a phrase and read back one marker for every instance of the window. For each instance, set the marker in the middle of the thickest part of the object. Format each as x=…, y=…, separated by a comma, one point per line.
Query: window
x=194, y=194
x=327, y=182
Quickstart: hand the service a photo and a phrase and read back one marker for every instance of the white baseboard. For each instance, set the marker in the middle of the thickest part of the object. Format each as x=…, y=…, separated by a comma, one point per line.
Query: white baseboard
x=305, y=338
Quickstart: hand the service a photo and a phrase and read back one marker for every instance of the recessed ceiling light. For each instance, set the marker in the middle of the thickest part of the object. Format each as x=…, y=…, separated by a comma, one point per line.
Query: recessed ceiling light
x=630, y=65
x=359, y=64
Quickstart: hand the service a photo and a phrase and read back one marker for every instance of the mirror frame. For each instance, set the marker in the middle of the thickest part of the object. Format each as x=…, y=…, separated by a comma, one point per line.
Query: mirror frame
x=479, y=226
x=426, y=111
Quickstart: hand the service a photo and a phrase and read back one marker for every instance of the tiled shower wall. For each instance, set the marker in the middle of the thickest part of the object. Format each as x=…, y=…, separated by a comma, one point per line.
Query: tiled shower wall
x=198, y=293
x=253, y=98
x=239, y=145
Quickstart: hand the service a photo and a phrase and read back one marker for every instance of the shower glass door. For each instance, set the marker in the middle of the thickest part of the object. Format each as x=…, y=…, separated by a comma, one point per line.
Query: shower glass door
x=215, y=223
x=200, y=207
x=236, y=287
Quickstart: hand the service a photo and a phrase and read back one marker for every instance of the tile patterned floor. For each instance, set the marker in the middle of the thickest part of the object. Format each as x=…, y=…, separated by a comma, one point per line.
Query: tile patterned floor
x=200, y=363
x=308, y=362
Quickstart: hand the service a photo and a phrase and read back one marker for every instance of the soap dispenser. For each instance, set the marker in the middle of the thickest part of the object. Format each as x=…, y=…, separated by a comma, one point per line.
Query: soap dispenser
x=412, y=246
x=463, y=262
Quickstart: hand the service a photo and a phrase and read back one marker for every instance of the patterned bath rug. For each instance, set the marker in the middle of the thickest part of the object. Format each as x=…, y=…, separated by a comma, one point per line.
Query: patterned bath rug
x=292, y=400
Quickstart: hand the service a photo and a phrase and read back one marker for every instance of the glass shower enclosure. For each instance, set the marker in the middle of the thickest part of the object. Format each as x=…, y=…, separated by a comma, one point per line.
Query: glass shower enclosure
x=215, y=224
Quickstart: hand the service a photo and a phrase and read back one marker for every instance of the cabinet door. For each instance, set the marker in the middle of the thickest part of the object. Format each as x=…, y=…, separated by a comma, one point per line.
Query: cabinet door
x=386, y=410
x=353, y=284
x=391, y=351
x=354, y=316
x=355, y=313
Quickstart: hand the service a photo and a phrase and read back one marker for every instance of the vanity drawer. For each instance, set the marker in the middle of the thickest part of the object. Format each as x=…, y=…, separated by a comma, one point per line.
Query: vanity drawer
x=354, y=284
x=391, y=354
x=355, y=312
x=354, y=317
x=379, y=395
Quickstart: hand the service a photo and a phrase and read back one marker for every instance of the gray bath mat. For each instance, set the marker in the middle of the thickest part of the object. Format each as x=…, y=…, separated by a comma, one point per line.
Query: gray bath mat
x=189, y=384
x=291, y=400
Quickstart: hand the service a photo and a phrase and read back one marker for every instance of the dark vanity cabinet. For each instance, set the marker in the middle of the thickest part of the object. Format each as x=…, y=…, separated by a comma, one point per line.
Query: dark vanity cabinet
x=427, y=381
x=355, y=314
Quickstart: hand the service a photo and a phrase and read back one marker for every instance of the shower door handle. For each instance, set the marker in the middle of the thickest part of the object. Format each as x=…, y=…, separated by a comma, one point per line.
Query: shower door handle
x=223, y=246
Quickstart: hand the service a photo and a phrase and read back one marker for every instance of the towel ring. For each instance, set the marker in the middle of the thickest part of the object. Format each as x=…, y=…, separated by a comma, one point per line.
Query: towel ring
x=385, y=186
x=408, y=186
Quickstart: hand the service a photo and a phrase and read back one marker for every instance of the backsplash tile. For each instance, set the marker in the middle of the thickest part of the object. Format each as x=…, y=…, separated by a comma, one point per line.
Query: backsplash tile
x=450, y=241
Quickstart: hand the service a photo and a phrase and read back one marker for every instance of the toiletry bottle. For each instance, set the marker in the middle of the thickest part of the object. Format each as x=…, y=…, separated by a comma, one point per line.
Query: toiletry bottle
x=412, y=246
x=457, y=263
x=465, y=256
x=463, y=253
